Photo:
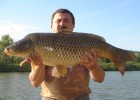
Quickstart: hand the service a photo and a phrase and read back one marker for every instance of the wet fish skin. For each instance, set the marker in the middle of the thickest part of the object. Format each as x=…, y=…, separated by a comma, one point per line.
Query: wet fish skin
x=67, y=49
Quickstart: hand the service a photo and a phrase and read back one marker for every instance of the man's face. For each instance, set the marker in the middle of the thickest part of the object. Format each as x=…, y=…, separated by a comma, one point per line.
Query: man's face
x=62, y=22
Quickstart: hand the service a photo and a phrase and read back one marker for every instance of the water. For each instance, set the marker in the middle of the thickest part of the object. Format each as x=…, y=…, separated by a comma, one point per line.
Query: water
x=16, y=86
x=116, y=87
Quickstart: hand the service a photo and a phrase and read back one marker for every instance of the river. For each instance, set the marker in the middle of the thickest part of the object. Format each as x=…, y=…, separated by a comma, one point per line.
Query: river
x=16, y=86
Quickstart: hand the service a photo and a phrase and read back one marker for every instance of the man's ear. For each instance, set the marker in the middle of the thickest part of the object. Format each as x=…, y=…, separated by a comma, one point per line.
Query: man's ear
x=51, y=26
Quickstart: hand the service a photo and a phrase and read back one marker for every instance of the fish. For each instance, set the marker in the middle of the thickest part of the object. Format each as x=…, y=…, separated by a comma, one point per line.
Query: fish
x=64, y=50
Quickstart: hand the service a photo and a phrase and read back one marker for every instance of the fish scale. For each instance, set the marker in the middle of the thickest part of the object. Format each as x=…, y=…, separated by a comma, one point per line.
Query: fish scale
x=67, y=49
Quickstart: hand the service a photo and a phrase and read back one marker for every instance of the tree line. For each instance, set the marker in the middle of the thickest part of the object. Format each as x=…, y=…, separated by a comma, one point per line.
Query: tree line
x=11, y=64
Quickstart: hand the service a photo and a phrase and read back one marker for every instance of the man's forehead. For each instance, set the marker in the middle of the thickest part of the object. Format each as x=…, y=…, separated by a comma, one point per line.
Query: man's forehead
x=62, y=16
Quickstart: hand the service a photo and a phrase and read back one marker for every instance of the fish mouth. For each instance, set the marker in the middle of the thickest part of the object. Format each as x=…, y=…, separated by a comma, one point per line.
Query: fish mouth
x=8, y=52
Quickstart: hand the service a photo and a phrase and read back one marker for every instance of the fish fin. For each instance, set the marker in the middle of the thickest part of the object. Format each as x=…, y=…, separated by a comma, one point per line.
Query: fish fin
x=60, y=70
x=95, y=36
x=120, y=59
x=128, y=55
x=21, y=63
x=98, y=37
x=120, y=65
x=121, y=68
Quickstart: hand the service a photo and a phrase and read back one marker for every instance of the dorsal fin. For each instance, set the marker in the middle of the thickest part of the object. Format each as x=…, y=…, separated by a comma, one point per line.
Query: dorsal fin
x=92, y=35
x=97, y=36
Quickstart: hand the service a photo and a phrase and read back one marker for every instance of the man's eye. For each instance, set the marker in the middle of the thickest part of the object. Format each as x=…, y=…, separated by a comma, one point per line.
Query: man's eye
x=58, y=21
x=66, y=20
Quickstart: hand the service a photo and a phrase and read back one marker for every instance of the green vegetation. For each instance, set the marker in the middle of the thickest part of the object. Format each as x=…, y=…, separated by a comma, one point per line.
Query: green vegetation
x=7, y=63
x=130, y=66
x=11, y=64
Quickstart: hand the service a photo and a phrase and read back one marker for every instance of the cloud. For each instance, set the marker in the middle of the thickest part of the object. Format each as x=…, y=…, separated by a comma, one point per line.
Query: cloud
x=16, y=31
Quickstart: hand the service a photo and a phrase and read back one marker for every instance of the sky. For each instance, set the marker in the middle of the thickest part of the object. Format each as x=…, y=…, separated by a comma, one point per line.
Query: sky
x=118, y=21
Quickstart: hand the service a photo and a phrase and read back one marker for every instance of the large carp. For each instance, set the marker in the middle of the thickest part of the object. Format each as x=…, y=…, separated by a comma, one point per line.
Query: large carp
x=63, y=50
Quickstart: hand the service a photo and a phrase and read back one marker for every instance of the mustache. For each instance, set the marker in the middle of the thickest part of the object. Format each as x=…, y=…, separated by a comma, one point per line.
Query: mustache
x=62, y=28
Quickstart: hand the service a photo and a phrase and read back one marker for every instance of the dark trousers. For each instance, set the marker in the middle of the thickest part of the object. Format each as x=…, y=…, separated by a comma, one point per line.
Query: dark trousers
x=85, y=97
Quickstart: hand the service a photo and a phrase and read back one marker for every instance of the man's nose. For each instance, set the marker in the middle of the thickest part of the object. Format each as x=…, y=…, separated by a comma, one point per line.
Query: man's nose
x=62, y=23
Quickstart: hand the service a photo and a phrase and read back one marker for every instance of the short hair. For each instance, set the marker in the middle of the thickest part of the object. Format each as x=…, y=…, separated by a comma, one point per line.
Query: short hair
x=64, y=11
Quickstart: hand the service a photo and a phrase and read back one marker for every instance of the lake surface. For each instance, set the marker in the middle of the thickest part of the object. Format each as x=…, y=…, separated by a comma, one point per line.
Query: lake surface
x=16, y=86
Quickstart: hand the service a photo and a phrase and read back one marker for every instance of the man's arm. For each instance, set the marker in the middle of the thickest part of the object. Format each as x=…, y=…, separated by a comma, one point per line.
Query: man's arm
x=37, y=75
x=97, y=73
x=91, y=62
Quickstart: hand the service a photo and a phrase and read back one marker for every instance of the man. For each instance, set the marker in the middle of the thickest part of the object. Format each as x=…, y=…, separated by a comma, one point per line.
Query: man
x=74, y=85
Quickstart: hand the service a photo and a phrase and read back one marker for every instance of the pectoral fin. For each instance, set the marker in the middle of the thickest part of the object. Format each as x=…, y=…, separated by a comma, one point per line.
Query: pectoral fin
x=62, y=70
x=22, y=63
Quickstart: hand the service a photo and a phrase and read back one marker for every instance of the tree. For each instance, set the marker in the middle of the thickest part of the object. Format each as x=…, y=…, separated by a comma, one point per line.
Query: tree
x=5, y=41
x=7, y=63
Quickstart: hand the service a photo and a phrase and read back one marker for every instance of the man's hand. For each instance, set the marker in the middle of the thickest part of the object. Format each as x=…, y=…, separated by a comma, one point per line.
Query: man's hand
x=89, y=60
x=37, y=74
x=36, y=59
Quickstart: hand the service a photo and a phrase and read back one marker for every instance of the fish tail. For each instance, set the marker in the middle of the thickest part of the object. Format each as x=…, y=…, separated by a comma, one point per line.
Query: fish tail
x=121, y=57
